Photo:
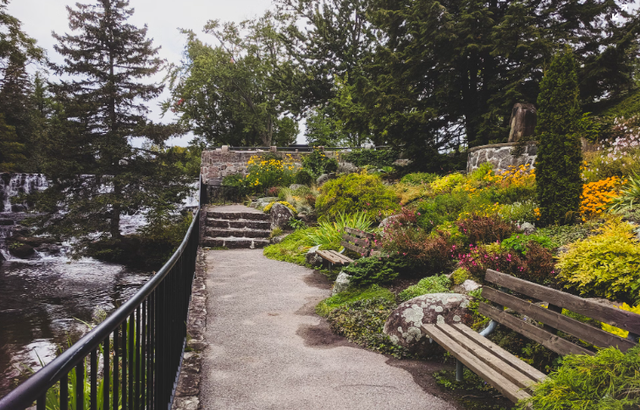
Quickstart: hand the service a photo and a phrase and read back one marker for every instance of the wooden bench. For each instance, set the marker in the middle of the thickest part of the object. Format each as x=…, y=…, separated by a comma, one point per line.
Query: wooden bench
x=508, y=374
x=355, y=240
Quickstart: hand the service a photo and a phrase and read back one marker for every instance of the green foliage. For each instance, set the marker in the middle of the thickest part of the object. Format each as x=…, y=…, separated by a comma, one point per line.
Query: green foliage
x=558, y=180
x=603, y=265
x=609, y=380
x=431, y=284
x=361, y=192
x=317, y=163
x=601, y=165
x=269, y=171
x=363, y=321
x=351, y=295
x=275, y=232
x=11, y=149
x=446, y=183
x=519, y=212
x=626, y=108
x=459, y=276
x=518, y=242
x=329, y=234
x=374, y=158
x=292, y=249
x=369, y=271
x=304, y=177
x=441, y=209
x=562, y=235
x=419, y=178
x=629, y=195
x=187, y=160
x=238, y=182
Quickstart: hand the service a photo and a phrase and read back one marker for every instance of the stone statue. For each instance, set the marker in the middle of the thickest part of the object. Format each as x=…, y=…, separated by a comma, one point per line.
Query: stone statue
x=523, y=121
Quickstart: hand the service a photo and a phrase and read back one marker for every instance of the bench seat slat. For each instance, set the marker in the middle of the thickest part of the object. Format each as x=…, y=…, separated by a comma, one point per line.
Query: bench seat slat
x=549, y=340
x=505, y=356
x=558, y=321
x=334, y=257
x=357, y=249
x=505, y=386
x=613, y=316
x=358, y=233
x=522, y=380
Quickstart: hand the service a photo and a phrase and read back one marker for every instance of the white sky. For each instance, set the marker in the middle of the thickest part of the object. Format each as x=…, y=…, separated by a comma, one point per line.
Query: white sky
x=162, y=17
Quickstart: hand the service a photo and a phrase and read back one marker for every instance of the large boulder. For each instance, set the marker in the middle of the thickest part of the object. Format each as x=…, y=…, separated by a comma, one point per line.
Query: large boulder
x=324, y=178
x=345, y=167
x=22, y=251
x=389, y=220
x=404, y=325
x=312, y=258
x=341, y=284
x=280, y=215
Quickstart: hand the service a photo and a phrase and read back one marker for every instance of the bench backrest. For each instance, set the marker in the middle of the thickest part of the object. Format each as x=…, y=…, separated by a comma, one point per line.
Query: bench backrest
x=358, y=241
x=552, y=317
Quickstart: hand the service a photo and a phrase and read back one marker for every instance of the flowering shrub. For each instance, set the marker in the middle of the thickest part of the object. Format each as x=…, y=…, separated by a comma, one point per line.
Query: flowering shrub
x=596, y=196
x=266, y=172
x=603, y=265
x=536, y=266
x=485, y=229
x=627, y=137
x=356, y=192
x=267, y=208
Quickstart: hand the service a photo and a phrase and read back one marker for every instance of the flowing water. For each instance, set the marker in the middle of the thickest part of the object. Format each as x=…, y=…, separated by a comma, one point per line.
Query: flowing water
x=47, y=300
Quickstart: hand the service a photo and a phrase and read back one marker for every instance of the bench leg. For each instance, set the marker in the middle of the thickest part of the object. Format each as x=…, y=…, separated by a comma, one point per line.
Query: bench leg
x=459, y=370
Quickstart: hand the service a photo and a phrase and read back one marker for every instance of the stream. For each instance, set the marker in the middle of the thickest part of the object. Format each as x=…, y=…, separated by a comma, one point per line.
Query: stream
x=47, y=300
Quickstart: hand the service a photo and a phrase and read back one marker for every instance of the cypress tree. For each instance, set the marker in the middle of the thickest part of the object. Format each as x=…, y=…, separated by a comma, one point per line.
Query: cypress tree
x=559, y=152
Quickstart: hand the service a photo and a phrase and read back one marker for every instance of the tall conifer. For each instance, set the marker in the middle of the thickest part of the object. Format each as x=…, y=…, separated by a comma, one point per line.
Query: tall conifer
x=559, y=151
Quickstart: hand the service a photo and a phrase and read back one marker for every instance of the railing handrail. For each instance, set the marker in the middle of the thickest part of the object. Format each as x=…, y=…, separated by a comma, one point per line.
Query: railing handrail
x=36, y=385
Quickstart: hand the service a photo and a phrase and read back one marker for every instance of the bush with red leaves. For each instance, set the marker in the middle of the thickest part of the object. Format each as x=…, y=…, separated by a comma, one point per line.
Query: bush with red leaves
x=485, y=229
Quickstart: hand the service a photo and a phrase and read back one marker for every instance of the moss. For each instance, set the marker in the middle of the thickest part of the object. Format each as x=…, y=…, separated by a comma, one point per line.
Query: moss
x=431, y=284
x=292, y=249
x=351, y=295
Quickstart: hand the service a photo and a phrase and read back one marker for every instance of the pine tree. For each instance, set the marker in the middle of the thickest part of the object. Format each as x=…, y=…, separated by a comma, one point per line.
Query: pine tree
x=98, y=110
x=559, y=158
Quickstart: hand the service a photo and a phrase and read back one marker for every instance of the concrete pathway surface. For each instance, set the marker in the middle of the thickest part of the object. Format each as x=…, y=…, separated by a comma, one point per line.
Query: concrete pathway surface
x=266, y=347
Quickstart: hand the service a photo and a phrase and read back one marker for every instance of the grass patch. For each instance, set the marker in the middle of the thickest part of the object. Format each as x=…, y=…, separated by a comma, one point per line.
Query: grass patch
x=292, y=249
x=431, y=284
x=351, y=295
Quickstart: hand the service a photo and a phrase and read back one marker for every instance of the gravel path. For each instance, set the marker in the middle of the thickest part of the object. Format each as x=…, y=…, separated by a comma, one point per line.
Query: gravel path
x=268, y=350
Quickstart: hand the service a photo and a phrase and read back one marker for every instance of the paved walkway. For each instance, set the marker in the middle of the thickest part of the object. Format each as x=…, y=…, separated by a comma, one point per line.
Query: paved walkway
x=268, y=350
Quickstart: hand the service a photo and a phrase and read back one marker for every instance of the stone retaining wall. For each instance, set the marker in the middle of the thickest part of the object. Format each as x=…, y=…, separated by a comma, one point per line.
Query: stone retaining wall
x=500, y=155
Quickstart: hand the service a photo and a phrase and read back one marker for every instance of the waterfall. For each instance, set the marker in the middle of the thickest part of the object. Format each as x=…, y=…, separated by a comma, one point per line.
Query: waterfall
x=12, y=185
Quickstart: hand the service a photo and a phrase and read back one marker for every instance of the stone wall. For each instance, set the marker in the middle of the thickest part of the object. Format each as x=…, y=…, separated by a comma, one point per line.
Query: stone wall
x=500, y=155
x=219, y=163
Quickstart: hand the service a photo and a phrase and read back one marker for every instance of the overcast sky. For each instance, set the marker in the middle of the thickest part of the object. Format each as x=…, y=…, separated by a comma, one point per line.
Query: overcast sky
x=162, y=17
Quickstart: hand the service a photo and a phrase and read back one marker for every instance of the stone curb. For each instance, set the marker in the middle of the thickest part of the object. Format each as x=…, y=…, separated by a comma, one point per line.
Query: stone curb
x=188, y=389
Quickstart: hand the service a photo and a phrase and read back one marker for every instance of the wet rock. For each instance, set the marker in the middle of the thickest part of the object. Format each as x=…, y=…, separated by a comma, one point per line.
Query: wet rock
x=312, y=258
x=280, y=216
x=6, y=222
x=324, y=178
x=34, y=241
x=404, y=325
x=18, y=208
x=22, y=251
x=341, y=284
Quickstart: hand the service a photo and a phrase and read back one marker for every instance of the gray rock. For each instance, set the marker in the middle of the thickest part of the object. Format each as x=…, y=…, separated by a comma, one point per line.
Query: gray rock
x=280, y=216
x=279, y=238
x=293, y=187
x=322, y=179
x=467, y=286
x=388, y=221
x=262, y=202
x=341, y=284
x=311, y=257
x=23, y=251
x=528, y=228
x=402, y=162
x=345, y=167
x=404, y=325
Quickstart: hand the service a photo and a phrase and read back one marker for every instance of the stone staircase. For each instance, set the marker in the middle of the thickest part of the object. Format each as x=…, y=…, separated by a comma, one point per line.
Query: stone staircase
x=236, y=227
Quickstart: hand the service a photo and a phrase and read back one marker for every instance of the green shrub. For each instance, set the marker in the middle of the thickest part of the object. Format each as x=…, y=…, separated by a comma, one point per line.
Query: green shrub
x=419, y=178
x=446, y=183
x=558, y=180
x=562, y=235
x=369, y=271
x=329, y=234
x=602, y=166
x=459, y=276
x=304, y=177
x=238, y=182
x=351, y=295
x=604, y=265
x=317, y=163
x=374, y=158
x=518, y=242
x=480, y=173
x=519, y=212
x=356, y=192
x=268, y=171
x=292, y=249
x=629, y=196
x=608, y=380
x=431, y=284
x=442, y=208
x=363, y=321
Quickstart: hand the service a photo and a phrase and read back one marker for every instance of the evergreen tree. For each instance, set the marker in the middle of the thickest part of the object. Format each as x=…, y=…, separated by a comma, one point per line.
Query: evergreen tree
x=97, y=111
x=558, y=180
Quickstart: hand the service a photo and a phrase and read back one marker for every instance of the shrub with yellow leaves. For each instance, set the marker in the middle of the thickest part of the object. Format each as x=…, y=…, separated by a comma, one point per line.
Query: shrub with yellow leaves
x=616, y=330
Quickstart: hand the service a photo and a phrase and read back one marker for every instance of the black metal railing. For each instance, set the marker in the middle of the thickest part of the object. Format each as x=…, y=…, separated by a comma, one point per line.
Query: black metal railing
x=131, y=360
x=300, y=148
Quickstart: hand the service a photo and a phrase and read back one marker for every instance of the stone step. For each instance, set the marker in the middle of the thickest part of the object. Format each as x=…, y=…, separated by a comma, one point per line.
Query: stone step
x=238, y=224
x=237, y=233
x=253, y=216
x=234, y=243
